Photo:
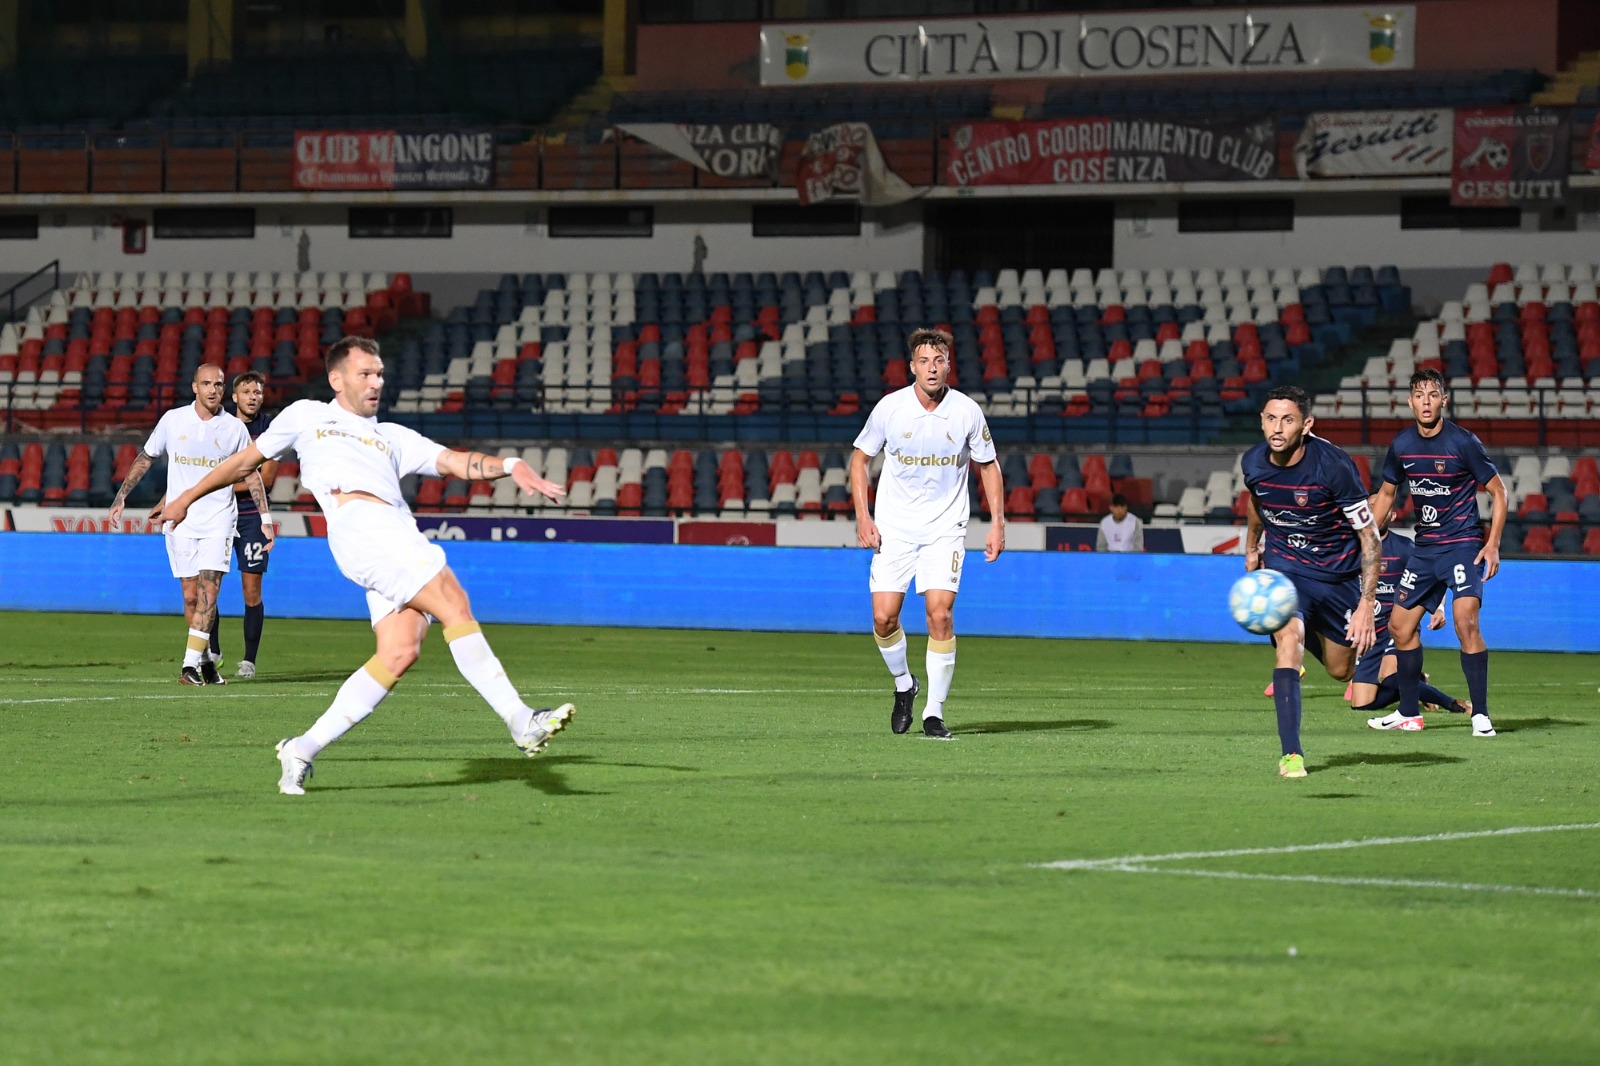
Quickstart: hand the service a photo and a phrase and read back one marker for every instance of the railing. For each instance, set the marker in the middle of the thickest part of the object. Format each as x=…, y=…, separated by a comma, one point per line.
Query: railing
x=10, y=296
x=1551, y=417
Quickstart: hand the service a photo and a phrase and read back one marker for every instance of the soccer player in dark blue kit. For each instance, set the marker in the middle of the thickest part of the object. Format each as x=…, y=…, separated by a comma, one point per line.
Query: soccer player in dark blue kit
x=1443, y=467
x=1307, y=499
x=255, y=535
x=1375, y=686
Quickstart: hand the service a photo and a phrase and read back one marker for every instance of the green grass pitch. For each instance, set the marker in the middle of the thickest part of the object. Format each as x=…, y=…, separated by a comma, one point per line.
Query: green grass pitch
x=728, y=858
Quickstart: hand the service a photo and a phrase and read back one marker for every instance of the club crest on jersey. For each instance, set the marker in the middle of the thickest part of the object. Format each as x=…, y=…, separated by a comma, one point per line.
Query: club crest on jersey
x=1438, y=466
x=1301, y=497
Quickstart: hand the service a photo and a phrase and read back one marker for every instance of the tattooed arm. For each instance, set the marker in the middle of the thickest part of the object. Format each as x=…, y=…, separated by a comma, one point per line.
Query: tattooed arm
x=257, y=484
x=476, y=466
x=1361, y=629
x=140, y=466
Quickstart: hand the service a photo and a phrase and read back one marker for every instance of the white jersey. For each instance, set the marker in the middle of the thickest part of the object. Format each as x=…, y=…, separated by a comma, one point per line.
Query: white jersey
x=193, y=445
x=922, y=492
x=342, y=452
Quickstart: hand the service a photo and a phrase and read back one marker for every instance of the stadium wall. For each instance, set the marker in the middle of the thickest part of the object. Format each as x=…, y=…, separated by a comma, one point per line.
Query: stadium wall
x=1533, y=606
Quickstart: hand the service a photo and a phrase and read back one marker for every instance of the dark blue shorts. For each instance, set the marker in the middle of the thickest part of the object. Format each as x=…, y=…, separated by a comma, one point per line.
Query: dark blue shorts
x=1433, y=570
x=1368, y=665
x=1325, y=606
x=250, y=546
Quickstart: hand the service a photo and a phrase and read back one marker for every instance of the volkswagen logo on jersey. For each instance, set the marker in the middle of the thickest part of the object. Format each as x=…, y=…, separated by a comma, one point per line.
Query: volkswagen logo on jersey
x=1430, y=515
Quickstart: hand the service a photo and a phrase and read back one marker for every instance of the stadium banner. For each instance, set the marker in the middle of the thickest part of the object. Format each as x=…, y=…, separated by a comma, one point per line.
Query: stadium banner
x=29, y=518
x=730, y=534
x=728, y=149
x=844, y=162
x=1539, y=606
x=1510, y=156
x=1187, y=42
x=397, y=160
x=1166, y=540
x=1345, y=144
x=1109, y=151
x=545, y=530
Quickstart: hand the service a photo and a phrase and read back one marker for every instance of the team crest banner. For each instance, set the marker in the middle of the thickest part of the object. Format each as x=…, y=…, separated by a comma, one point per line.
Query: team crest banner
x=1190, y=41
x=1108, y=151
x=1341, y=144
x=844, y=162
x=1507, y=156
x=354, y=160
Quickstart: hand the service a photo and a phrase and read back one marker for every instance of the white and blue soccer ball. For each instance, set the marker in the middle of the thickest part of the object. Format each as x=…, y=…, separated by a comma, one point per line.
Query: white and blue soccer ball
x=1263, y=601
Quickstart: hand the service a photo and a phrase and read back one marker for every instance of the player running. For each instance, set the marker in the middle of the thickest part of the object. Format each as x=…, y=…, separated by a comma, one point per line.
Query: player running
x=1443, y=467
x=253, y=543
x=1307, y=499
x=1375, y=686
x=930, y=433
x=196, y=438
x=352, y=464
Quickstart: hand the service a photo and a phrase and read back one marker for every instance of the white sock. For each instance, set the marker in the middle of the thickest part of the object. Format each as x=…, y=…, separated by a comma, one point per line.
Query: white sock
x=893, y=650
x=478, y=665
x=199, y=645
x=941, y=668
x=358, y=697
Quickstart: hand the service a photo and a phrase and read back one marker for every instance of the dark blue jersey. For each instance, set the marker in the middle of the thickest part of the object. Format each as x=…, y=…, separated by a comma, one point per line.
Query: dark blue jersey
x=1443, y=474
x=1309, y=509
x=257, y=426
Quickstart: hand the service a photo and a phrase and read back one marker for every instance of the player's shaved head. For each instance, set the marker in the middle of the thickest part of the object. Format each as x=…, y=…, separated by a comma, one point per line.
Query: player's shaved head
x=343, y=347
x=206, y=370
x=207, y=387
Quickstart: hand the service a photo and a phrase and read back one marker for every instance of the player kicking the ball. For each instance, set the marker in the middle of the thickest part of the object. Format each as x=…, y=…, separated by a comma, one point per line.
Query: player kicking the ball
x=1306, y=497
x=930, y=434
x=1444, y=466
x=352, y=464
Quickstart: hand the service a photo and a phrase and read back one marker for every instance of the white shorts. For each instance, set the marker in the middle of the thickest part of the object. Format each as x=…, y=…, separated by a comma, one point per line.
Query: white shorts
x=189, y=555
x=936, y=565
x=380, y=548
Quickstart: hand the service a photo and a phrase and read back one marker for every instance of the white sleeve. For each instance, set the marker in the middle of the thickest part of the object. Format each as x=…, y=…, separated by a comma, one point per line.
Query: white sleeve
x=416, y=453
x=156, y=446
x=873, y=435
x=280, y=435
x=979, y=442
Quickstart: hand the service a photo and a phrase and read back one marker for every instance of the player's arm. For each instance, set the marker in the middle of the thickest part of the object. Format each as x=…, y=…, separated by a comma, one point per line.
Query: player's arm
x=257, y=484
x=994, y=490
x=268, y=473
x=1253, y=528
x=1138, y=534
x=866, y=529
x=477, y=466
x=224, y=474
x=1361, y=629
x=1382, y=504
x=140, y=467
x=1489, y=556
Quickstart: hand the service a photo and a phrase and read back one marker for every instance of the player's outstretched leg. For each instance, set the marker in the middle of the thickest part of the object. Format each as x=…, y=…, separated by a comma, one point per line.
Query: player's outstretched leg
x=906, y=685
x=941, y=663
x=358, y=697
x=1286, y=701
x=531, y=729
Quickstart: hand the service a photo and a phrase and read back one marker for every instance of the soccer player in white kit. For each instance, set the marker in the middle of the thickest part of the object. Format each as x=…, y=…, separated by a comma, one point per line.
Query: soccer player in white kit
x=352, y=464
x=929, y=433
x=196, y=438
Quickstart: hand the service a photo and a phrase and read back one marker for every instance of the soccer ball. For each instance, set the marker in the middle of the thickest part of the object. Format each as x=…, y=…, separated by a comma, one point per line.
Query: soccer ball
x=1263, y=601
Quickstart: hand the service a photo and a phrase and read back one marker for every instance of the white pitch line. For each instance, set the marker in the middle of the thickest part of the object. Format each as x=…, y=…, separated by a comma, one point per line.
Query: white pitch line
x=1291, y=849
x=1360, y=882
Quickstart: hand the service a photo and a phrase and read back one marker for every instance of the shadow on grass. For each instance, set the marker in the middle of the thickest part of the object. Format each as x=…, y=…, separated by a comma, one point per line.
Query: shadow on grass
x=1391, y=758
x=1511, y=725
x=1081, y=725
x=541, y=774
x=1332, y=795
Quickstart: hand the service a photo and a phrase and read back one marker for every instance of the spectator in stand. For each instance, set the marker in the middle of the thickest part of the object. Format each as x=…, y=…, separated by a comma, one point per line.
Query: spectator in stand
x=1121, y=530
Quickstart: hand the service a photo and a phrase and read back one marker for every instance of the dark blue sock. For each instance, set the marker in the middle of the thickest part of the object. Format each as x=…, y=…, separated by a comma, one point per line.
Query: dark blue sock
x=1428, y=694
x=1388, y=692
x=1408, y=676
x=1286, y=699
x=1476, y=666
x=254, y=618
x=216, y=637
